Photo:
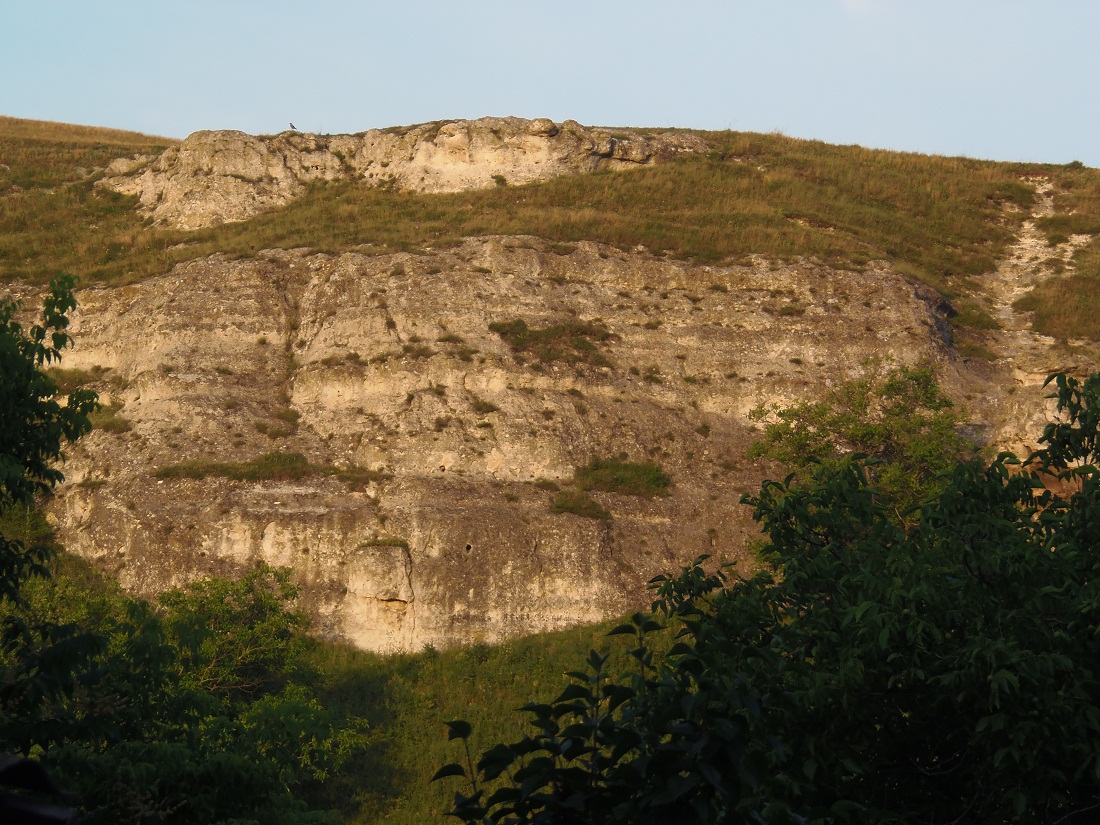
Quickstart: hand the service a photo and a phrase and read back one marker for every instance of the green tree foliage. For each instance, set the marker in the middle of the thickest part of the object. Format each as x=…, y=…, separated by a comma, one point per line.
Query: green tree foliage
x=876, y=672
x=41, y=658
x=199, y=710
x=194, y=711
x=898, y=417
x=33, y=424
x=235, y=637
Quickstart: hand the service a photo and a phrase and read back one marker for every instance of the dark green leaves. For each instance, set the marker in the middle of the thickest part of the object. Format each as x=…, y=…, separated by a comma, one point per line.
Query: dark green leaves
x=459, y=729
x=453, y=769
x=934, y=668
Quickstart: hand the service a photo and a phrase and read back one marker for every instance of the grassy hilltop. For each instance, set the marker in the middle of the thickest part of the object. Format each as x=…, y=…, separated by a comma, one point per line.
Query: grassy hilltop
x=941, y=221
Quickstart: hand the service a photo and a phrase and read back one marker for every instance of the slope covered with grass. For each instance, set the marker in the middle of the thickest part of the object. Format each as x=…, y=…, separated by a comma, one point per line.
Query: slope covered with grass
x=1068, y=305
x=51, y=217
x=939, y=220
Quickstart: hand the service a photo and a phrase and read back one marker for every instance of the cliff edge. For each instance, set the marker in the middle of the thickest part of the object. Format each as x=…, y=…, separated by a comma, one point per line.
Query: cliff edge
x=216, y=177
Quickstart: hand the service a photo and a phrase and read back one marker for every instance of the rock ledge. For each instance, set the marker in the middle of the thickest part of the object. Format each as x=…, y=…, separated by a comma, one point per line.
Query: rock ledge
x=216, y=177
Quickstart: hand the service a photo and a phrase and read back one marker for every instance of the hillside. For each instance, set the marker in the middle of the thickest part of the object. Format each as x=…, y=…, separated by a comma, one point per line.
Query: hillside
x=341, y=382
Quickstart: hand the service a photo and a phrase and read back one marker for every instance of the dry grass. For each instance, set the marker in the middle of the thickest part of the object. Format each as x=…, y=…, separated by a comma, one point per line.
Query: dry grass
x=938, y=220
x=1065, y=308
x=51, y=219
x=1069, y=307
x=53, y=132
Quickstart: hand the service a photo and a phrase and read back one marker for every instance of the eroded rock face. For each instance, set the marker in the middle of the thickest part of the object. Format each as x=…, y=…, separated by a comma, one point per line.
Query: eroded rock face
x=216, y=177
x=389, y=366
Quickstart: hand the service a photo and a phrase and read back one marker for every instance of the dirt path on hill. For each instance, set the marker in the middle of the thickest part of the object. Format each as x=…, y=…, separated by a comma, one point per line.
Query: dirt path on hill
x=1028, y=356
x=1030, y=260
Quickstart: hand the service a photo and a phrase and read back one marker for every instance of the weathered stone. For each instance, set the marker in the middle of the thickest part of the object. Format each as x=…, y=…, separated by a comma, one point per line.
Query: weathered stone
x=390, y=363
x=217, y=177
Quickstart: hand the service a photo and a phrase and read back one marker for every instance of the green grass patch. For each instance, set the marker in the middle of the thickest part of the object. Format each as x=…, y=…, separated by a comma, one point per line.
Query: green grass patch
x=972, y=316
x=628, y=478
x=360, y=477
x=1065, y=308
x=579, y=503
x=69, y=380
x=573, y=342
x=108, y=420
x=272, y=466
x=386, y=541
x=407, y=700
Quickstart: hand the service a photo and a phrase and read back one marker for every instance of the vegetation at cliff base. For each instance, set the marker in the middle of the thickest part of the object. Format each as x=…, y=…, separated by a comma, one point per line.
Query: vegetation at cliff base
x=872, y=672
x=190, y=711
x=897, y=417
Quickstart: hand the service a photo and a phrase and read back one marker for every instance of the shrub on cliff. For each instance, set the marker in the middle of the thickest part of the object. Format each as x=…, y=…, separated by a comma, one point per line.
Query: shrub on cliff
x=898, y=417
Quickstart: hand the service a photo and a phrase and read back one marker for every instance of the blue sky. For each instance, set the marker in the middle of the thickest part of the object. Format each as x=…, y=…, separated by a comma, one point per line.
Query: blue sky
x=1003, y=79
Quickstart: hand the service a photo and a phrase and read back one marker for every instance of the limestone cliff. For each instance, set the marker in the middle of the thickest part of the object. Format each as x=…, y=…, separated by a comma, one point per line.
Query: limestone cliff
x=432, y=523
x=218, y=176
x=429, y=442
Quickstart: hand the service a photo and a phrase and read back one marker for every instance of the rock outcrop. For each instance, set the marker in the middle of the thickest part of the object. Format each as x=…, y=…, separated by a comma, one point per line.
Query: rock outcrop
x=434, y=445
x=215, y=177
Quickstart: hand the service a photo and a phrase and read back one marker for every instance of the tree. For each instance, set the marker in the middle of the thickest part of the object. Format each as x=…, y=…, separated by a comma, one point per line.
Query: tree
x=188, y=712
x=938, y=671
x=898, y=417
x=34, y=426
x=40, y=659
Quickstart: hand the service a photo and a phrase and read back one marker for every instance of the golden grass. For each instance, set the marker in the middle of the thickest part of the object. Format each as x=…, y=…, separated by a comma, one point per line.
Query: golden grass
x=1069, y=307
x=938, y=220
x=1065, y=308
x=53, y=132
x=51, y=219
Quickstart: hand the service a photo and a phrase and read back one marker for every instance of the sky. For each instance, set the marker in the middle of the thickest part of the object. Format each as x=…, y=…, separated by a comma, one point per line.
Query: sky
x=999, y=79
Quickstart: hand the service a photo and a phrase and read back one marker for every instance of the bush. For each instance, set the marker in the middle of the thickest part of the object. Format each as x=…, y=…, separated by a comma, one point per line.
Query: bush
x=579, y=504
x=942, y=671
x=626, y=478
x=897, y=417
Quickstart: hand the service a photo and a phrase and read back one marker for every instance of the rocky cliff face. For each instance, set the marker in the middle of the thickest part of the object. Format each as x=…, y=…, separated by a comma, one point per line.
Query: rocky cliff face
x=426, y=435
x=216, y=177
x=434, y=443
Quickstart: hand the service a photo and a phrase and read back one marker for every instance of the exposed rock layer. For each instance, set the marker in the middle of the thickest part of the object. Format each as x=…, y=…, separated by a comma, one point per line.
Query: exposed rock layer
x=218, y=176
x=390, y=364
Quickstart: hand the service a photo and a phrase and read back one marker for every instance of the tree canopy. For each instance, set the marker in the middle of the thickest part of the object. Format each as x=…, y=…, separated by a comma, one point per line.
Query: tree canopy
x=196, y=709
x=34, y=426
x=896, y=416
x=876, y=671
